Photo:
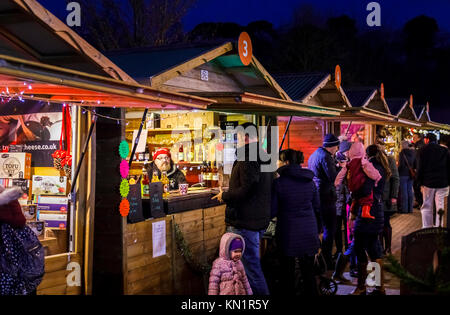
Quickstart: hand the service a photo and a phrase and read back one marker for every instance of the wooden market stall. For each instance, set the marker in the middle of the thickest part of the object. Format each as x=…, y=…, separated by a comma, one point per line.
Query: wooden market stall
x=314, y=89
x=241, y=93
x=368, y=116
x=404, y=124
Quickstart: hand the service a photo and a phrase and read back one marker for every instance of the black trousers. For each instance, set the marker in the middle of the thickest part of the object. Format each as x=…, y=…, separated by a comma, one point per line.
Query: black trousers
x=341, y=240
x=288, y=275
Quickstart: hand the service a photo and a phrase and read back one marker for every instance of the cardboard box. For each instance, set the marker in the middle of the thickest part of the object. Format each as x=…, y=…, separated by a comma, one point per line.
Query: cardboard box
x=38, y=227
x=15, y=165
x=24, y=184
x=49, y=185
x=29, y=211
x=53, y=219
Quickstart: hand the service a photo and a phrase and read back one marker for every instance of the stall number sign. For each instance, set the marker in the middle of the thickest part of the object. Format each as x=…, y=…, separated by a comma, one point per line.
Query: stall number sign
x=245, y=48
x=204, y=75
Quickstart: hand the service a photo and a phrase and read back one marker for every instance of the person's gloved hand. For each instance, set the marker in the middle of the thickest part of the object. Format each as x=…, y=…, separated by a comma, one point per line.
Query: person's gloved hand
x=10, y=194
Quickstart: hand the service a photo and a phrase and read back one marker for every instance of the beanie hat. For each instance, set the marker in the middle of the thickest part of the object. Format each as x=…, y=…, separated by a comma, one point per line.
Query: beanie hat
x=236, y=244
x=330, y=140
x=340, y=156
x=345, y=145
x=161, y=151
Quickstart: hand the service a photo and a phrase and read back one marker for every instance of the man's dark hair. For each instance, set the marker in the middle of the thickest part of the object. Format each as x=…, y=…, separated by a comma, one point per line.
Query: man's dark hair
x=419, y=135
x=431, y=136
x=247, y=125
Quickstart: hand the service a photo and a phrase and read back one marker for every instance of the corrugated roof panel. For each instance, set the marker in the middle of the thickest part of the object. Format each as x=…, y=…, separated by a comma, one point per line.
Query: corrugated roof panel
x=299, y=85
x=358, y=96
x=396, y=104
x=145, y=63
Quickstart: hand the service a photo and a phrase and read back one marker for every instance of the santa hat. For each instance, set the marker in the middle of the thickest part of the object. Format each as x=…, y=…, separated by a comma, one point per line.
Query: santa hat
x=161, y=151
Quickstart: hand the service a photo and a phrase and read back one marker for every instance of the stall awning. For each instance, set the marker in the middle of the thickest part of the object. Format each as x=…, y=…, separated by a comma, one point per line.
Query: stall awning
x=365, y=115
x=264, y=105
x=28, y=79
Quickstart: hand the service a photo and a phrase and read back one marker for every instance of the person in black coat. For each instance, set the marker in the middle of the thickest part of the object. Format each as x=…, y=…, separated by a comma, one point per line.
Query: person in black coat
x=406, y=161
x=419, y=144
x=433, y=175
x=295, y=203
x=322, y=163
x=248, y=201
x=367, y=230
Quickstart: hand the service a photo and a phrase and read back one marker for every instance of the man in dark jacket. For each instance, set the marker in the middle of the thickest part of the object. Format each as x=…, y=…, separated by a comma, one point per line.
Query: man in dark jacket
x=248, y=202
x=322, y=163
x=433, y=175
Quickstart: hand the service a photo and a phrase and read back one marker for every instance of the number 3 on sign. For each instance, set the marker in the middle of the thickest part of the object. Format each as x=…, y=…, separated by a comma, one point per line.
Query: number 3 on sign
x=245, y=48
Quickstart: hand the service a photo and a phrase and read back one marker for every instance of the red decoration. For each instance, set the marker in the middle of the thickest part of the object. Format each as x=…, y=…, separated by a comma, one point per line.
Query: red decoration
x=124, y=207
x=62, y=158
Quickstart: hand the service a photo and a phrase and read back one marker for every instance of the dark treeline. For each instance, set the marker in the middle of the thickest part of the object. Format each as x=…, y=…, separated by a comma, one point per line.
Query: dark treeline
x=412, y=60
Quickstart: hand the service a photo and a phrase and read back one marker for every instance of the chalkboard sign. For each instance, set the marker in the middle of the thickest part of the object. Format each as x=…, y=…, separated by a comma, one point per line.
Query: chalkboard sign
x=134, y=197
x=156, y=200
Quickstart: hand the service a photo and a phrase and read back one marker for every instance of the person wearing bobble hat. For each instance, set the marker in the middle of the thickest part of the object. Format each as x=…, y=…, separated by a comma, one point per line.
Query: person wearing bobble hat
x=227, y=276
x=162, y=162
x=322, y=163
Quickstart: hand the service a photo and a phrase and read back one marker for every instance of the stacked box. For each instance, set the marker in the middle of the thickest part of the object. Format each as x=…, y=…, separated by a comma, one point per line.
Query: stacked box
x=24, y=184
x=38, y=227
x=53, y=211
x=15, y=165
x=49, y=185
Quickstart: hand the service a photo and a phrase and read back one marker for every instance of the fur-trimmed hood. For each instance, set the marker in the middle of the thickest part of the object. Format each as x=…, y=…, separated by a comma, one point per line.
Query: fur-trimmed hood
x=225, y=243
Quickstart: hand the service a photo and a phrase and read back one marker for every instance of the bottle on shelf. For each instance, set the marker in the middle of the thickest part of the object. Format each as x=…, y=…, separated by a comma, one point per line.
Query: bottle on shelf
x=165, y=182
x=181, y=153
x=145, y=185
x=155, y=177
x=215, y=176
x=209, y=175
x=191, y=153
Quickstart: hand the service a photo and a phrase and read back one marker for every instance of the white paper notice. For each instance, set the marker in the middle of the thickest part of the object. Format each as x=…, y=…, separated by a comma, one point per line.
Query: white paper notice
x=142, y=140
x=159, y=238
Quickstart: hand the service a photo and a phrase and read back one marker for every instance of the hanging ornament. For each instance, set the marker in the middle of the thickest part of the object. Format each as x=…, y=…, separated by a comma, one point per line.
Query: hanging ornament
x=67, y=165
x=124, y=207
x=124, y=149
x=124, y=168
x=124, y=188
x=58, y=157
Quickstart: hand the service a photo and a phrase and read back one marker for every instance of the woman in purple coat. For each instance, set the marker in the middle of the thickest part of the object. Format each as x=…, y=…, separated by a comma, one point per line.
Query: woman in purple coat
x=295, y=203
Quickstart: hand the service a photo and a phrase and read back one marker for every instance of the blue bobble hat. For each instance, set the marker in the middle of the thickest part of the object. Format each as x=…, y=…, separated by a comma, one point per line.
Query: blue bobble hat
x=330, y=140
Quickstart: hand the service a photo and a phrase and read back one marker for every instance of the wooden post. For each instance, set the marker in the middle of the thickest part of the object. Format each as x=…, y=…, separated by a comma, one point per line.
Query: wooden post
x=108, y=273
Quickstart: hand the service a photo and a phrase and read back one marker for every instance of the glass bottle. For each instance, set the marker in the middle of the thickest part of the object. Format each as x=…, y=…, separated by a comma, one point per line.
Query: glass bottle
x=155, y=177
x=165, y=182
x=180, y=154
x=215, y=176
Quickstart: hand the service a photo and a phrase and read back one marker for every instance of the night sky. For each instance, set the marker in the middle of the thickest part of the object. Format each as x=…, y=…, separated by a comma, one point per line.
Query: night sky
x=394, y=13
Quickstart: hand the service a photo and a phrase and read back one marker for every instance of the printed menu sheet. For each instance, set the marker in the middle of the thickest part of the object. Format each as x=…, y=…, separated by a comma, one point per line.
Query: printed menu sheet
x=159, y=238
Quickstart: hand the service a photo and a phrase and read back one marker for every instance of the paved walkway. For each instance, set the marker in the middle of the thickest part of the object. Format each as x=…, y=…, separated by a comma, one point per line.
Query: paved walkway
x=402, y=224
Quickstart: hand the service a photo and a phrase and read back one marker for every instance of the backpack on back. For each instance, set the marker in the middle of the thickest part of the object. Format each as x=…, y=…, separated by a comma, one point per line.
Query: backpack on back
x=21, y=260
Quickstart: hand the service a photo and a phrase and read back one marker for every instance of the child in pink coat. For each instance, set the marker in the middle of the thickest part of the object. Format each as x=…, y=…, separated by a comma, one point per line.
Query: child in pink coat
x=357, y=170
x=227, y=275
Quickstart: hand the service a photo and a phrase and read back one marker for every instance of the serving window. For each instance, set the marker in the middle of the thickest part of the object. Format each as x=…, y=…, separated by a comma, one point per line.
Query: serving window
x=30, y=133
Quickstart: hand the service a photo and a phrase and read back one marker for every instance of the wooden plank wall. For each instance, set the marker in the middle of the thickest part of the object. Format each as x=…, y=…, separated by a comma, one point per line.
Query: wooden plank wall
x=170, y=274
x=305, y=136
x=55, y=278
x=190, y=81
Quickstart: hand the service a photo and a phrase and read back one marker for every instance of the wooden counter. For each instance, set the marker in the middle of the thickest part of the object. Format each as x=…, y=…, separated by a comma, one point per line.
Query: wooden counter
x=202, y=229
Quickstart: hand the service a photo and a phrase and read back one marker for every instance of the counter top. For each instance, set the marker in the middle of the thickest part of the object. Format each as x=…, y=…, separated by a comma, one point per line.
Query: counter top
x=194, y=199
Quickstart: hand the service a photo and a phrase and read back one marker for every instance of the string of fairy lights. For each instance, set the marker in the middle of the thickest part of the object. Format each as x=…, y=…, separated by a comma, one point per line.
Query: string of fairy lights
x=7, y=96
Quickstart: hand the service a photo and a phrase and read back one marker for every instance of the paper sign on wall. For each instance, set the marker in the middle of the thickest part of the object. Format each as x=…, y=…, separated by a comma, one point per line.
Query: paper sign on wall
x=142, y=140
x=159, y=238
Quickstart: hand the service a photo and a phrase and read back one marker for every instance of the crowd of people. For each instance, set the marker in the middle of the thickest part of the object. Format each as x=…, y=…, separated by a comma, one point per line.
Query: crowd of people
x=344, y=188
